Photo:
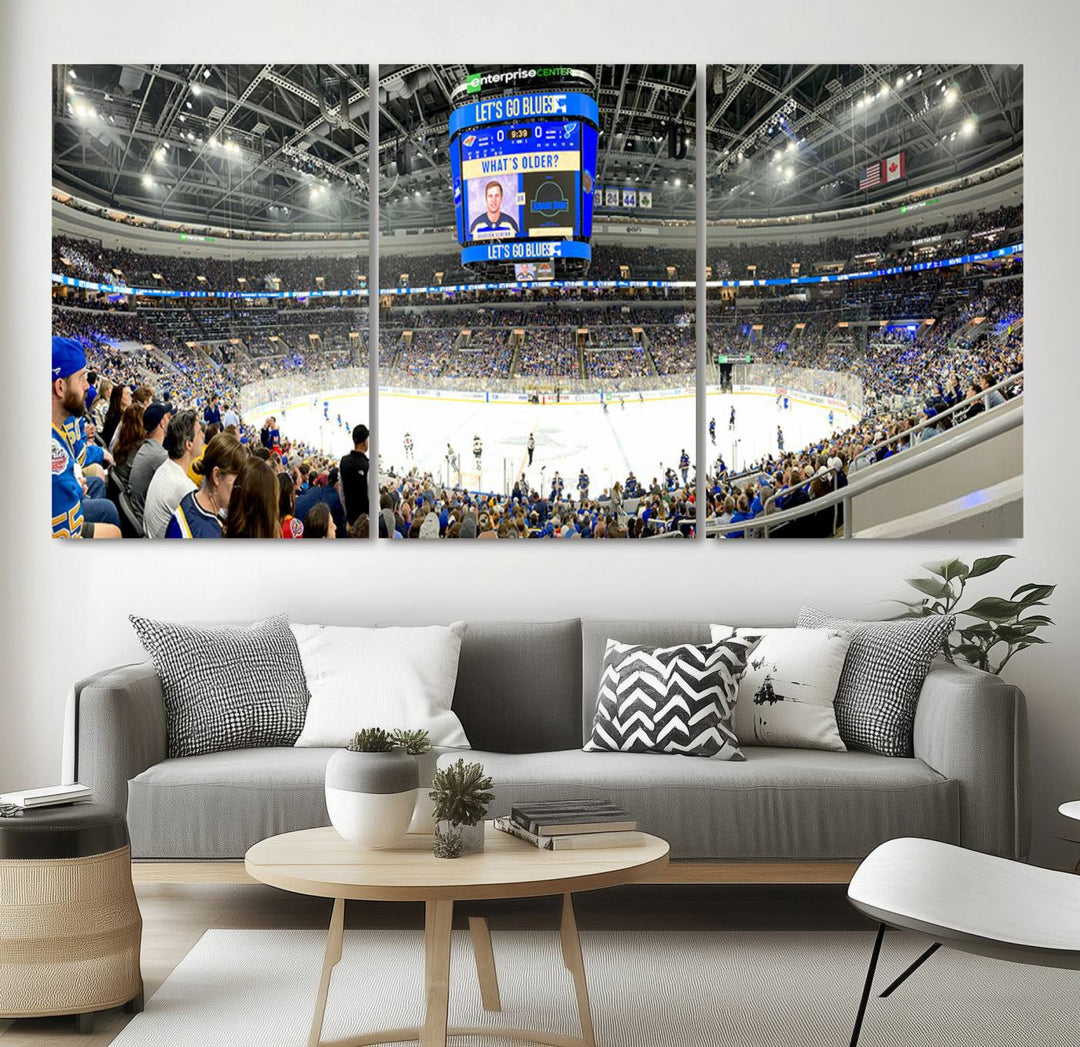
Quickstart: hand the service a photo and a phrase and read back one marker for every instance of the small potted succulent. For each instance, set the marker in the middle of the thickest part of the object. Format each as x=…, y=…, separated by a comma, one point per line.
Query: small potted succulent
x=372, y=786
x=460, y=794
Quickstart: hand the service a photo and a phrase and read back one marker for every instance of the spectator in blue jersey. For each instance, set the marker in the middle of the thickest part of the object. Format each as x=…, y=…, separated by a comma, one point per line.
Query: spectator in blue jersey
x=493, y=221
x=324, y=489
x=201, y=513
x=91, y=389
x=69, y=400
x=212, y=413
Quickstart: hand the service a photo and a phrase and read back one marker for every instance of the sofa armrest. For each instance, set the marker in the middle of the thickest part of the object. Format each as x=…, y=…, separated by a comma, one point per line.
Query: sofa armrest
x=971, y=726
x=115, y=730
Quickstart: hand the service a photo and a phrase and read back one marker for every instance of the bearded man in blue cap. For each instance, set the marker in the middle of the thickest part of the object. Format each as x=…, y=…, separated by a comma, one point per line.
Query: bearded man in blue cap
x=69, y=386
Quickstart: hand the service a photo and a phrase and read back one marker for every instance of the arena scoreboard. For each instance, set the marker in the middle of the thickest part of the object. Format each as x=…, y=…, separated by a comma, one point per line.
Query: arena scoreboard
x=523, y=168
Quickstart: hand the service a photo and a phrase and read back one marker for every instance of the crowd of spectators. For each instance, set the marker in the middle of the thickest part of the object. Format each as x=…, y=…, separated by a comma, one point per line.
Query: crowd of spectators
x=415, y=505
x=931, y=380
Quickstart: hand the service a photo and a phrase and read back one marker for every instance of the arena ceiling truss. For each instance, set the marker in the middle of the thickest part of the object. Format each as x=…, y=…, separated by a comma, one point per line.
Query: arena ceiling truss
x=264, y=147
x=793, y=139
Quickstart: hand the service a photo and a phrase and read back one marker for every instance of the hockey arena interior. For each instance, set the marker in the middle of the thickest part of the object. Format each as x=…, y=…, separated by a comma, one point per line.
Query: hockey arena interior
x=863, y=355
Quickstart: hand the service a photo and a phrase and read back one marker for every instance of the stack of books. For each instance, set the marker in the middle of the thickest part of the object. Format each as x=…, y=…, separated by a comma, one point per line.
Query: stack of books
x=567, y=825
x=50, y=796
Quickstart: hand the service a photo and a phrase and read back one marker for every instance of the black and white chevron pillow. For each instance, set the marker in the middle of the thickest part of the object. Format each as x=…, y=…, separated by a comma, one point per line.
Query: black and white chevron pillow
x=670, y=699
x=227, y=687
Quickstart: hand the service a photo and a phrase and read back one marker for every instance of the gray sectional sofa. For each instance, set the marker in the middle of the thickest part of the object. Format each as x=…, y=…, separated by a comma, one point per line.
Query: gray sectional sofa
x=525, y=695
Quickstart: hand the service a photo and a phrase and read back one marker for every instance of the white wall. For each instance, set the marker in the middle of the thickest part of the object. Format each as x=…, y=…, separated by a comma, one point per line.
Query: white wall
x=65, y=604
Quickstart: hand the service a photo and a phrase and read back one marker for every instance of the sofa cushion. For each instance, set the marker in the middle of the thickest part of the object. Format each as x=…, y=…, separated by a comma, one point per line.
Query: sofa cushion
x=675, y=699
x=594, y=637
x=218, y=805
x=519, y=685
x=780, y=804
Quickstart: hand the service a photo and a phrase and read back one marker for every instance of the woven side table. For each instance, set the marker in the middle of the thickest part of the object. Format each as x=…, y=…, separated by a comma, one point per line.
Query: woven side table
x=70, y=928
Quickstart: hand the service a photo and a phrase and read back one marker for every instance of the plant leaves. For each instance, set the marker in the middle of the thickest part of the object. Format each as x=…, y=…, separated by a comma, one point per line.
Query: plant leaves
x=1034, y=593
x=979, y=629
x=930, y=586
x=986, y=564
x=994, y=609
x=1037, y=619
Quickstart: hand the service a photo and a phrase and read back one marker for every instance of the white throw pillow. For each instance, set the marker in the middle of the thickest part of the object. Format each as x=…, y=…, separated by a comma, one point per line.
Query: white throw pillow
x=786, y=693
x=389, y=678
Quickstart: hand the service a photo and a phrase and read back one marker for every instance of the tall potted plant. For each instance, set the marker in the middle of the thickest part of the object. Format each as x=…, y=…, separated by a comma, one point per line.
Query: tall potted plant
x=461, y=794
x=1002, y=626
x=371, y=786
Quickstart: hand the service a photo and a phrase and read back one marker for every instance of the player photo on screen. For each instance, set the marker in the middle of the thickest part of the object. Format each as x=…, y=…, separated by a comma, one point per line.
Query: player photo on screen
x=865, y=301
x=536, y=364
x=494, y=210
x=200, y=391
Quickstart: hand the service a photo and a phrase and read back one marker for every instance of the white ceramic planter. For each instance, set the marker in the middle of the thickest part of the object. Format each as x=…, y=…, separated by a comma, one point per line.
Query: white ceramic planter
x=423, y=819
x=371, y=797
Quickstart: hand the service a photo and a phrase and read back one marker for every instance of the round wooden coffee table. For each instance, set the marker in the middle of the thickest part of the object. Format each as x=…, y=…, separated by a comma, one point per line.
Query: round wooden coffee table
x=319, y=862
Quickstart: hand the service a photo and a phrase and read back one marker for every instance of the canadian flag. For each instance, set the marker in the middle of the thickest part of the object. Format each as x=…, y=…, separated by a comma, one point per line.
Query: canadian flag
x=894, y=167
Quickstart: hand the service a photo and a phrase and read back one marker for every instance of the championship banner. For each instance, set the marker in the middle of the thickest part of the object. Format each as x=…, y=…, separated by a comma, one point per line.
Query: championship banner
x=645, y=199
x=629, y=198
x=611, y=197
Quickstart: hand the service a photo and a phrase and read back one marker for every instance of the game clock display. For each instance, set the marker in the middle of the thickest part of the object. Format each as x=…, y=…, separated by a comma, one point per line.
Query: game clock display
x=528, y=180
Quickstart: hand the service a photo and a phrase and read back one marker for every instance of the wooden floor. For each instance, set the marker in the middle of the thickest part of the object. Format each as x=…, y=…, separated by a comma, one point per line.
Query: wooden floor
x=176, y=915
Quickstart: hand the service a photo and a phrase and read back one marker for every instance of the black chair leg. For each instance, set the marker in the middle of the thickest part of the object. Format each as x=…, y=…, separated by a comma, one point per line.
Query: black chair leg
x=135, y=1004
x=84, y=1023
x=868, y=986
x=912, y=969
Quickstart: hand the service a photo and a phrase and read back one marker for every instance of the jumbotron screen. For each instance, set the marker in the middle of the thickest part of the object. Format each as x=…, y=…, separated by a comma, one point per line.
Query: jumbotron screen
x=523, y=168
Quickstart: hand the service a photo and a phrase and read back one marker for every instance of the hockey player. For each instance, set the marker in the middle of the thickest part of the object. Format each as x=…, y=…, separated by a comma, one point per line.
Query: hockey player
x=780, y=439
x=583, y=485
x=712, y=431
x=731, y=420
x=477, y=450
x=326, y=410
x=531, y=446
x=684, y=465
x=830, y=418
x=408, y=446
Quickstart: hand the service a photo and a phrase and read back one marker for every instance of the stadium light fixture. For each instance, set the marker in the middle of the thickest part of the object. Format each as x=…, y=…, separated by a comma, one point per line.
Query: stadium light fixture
x=678, y=182
x=969, y=126
x=73, y=74
x=196, y=90
x=69, y=89
x=900, y=82
x=162, y=153
x=147, y=181
x=206, y=74
x=951, y=96
x=80, y=110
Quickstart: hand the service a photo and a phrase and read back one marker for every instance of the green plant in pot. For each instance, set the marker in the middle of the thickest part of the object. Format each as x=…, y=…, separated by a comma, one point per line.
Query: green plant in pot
x=999, y=627
x=372, y=786
x=460, y=793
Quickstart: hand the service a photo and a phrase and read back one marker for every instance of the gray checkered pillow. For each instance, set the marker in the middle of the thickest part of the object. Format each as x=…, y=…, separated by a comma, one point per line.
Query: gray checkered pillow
x=227, y=687
x=883, y=675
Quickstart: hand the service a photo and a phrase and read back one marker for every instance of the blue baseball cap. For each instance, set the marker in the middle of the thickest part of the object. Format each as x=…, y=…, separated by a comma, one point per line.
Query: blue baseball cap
x=68, y=357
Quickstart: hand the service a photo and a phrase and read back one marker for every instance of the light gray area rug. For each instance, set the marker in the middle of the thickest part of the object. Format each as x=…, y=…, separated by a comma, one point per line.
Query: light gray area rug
x=257, y=988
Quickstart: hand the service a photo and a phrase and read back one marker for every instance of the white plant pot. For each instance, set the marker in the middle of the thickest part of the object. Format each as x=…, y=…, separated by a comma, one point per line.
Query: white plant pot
x=423, y=819
x=371, y=797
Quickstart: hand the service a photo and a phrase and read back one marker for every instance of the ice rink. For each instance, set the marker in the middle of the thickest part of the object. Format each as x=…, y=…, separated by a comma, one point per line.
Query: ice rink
x=645, y=437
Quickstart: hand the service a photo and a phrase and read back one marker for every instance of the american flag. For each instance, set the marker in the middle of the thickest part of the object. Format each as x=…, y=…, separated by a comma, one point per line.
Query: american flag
x=872, y=176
